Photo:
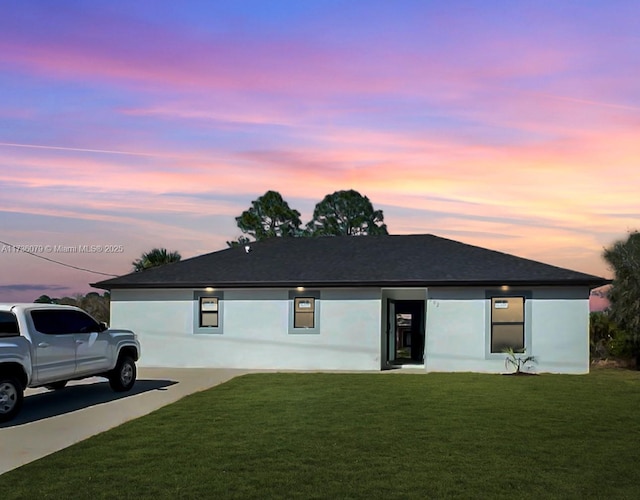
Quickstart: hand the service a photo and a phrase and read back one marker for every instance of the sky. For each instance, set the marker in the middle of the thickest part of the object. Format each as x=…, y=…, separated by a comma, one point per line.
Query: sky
x=125, y=126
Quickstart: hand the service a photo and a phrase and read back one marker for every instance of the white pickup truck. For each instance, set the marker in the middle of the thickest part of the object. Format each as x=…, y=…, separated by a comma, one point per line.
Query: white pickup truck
x=48, y=345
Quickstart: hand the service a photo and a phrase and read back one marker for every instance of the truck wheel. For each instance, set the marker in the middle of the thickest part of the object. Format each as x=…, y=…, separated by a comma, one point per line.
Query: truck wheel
x=56, y=386
x=123, y=376
x=11, y=395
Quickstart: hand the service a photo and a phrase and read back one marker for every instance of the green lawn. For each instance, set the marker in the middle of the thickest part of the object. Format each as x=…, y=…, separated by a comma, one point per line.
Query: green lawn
x=387, y=435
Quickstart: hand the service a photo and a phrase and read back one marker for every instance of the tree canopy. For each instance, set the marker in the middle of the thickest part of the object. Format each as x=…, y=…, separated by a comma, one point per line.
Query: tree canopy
x=269, y=216
x=155, y=257
x=624, y=295
x=346, y=213
x=241, y=240
x=340, y=213
x=95, y=304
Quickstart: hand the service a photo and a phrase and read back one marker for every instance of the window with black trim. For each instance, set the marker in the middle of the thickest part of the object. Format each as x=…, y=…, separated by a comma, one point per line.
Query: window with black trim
x=8, y=324
x=209, y=312
x=304, y=312
x=63, y=322
x=507, y=324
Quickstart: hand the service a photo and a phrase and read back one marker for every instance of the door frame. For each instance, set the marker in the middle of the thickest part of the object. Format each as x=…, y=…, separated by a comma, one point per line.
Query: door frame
x=391, y=331
x=417, y=309
x=392, y=302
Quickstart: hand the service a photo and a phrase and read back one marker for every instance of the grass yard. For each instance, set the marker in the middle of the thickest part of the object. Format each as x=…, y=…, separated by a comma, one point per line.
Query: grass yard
x=388, y=435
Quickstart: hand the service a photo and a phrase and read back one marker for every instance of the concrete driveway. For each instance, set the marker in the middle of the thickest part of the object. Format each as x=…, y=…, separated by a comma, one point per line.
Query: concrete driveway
x=52, y=420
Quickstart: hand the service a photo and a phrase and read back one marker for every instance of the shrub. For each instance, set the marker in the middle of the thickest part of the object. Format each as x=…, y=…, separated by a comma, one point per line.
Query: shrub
x=607, y=339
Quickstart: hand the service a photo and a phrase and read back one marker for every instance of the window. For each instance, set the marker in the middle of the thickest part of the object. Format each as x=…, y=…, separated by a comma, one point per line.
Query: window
x=304, y=311
x=507, y=324
x=61, y=321
x=8, y=325
x=208, y=312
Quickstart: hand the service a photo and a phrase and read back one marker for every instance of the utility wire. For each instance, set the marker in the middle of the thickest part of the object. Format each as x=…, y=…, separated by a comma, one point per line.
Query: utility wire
x=57, y=261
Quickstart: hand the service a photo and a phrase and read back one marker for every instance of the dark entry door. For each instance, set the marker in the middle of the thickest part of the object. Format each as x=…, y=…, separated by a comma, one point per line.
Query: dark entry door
x=391, y=330
x=410, y=326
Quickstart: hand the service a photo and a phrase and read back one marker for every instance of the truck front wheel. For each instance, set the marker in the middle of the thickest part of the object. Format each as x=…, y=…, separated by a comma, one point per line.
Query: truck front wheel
x=123, y=376
x=11, y=395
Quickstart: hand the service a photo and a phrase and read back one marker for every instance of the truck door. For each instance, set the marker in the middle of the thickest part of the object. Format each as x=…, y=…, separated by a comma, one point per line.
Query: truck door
x=92, y=344
x=54, y=346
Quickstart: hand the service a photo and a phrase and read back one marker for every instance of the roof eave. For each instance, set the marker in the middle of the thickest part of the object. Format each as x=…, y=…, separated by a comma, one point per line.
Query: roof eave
x=586, y=282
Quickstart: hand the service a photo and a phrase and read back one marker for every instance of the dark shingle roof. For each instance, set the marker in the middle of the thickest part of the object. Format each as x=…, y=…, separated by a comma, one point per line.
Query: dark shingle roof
x=398, y=260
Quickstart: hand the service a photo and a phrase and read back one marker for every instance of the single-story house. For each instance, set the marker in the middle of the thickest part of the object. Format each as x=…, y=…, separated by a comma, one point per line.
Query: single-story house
x=357, y=303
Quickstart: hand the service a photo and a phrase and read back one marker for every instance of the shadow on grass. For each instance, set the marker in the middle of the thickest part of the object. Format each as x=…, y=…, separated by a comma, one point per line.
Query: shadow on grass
x=48, y=404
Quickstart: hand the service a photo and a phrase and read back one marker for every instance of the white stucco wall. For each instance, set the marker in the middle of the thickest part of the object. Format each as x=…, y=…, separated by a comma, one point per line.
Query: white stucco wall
x=352, y=333
x=255, y=331
x=560, y=331
x=458, y=330
x=455, y=332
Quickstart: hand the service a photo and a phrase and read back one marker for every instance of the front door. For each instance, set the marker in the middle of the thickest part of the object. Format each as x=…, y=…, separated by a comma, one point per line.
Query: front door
x=92, y=344
x=405, y=332
x=391, y=330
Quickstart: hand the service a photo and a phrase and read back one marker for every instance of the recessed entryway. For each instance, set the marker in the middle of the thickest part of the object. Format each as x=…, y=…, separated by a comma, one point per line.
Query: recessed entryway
x=405, y=333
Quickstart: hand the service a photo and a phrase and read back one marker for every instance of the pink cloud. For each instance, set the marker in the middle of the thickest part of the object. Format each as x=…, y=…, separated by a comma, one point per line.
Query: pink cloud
x=289, y=63
x=396, y=169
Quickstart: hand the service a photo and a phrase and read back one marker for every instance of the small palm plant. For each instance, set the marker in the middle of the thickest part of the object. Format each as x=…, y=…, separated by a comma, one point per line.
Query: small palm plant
x=517, y=360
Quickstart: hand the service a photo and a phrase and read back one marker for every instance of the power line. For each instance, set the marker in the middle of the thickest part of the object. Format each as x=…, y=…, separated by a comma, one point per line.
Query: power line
x=19, y=249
